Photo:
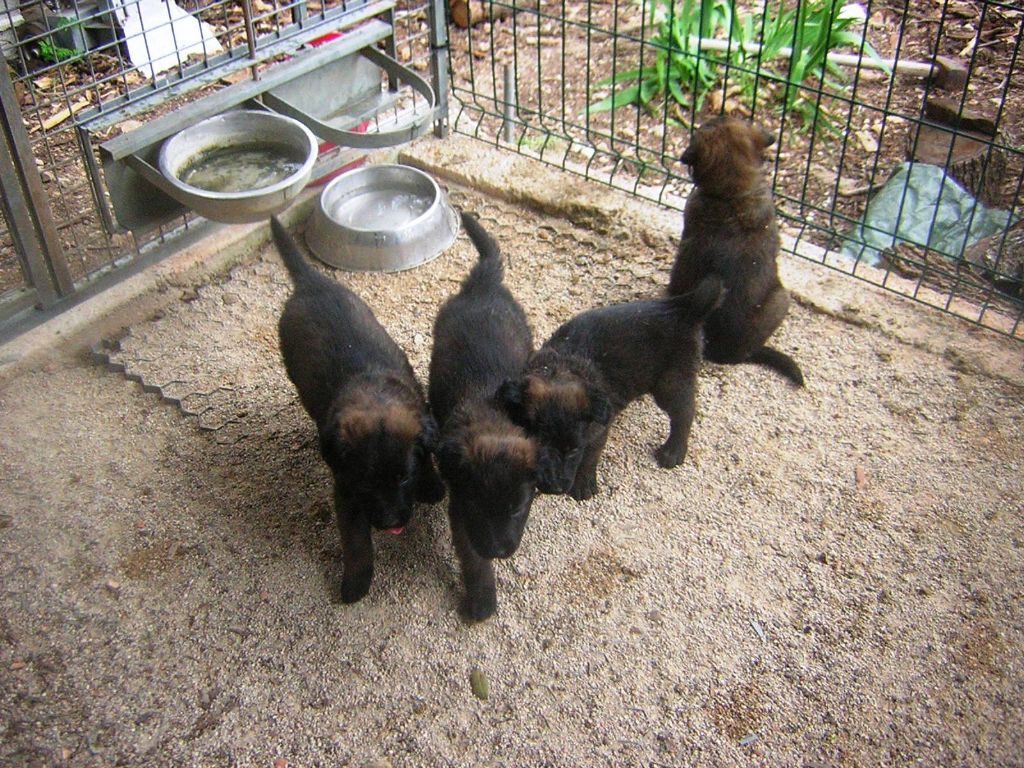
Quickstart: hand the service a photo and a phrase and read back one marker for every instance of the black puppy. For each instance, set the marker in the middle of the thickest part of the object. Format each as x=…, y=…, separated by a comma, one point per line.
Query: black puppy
x=482, y=338
x=729, y=230
x=596, y=364
x=358, y=387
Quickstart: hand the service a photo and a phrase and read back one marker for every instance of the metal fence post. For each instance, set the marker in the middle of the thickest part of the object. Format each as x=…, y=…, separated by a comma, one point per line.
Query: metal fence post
x=439, y=63
x=27, y=207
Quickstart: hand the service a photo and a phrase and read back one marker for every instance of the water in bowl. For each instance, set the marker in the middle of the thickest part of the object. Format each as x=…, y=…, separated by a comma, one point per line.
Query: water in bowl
x=379, y=209
x=241, y=167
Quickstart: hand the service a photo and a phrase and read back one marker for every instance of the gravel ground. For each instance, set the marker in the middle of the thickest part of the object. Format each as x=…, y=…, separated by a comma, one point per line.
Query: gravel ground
x=833, y=577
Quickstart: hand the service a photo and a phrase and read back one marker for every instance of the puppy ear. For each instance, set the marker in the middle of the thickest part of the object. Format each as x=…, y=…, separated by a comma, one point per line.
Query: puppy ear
x=332, y=448
x=510, y=397
x=689, y=156
x=600, y=406
x=428, y=433
x=449, y=457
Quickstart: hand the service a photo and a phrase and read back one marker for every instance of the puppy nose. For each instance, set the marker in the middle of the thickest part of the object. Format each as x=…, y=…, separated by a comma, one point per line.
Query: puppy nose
x=552, y=482
x=504, y=550
x=390, y=518
x=551, y=485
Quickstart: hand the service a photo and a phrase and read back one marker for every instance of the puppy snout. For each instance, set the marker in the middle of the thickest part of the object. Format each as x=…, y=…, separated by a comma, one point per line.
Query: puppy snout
x=501, y=547
x=556, y=477
x=390, y=517
x=503, y=551
x=552, y=483
x=388, y=523
x=494, y=545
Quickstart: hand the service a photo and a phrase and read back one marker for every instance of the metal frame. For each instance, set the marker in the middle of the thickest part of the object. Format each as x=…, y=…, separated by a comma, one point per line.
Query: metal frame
x=141, y=196
x=43, y=211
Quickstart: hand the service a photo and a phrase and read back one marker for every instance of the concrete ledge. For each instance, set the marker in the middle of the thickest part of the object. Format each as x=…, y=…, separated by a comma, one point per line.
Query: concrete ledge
x=213, y=249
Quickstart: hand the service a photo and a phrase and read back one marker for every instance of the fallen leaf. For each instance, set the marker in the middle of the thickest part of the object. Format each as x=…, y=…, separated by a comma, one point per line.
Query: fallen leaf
x=860, y=476
x=478, y=682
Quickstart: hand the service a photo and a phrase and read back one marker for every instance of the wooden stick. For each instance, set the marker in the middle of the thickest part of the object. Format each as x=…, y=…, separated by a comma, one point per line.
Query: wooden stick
x=469, y=13
x=64, y=114
x=905, y=66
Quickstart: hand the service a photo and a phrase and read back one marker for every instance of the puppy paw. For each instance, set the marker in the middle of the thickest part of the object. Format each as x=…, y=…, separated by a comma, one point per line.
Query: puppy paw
x=583, y=488
x=430, y=489
x=355, y=587
x=669, y=458
x=480, y=606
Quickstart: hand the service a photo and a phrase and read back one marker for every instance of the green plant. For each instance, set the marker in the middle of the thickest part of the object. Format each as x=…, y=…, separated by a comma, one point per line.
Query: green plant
x=700, y=39
x=51, y=50
x=805, y=37
x=677, y=67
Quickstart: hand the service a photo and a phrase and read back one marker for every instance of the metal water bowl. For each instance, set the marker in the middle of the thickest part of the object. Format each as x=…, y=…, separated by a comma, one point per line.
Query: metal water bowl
x=382, y=218
x=257, y=132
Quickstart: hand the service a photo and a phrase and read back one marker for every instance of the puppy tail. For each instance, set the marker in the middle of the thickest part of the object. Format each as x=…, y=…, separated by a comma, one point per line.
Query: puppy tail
x=697, y=304
x=298, y=267
x=488, y=270
x=778, y=361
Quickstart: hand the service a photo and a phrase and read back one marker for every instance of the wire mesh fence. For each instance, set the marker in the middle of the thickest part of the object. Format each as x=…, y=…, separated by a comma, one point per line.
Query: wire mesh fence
x=83, y=71
x=900, y=155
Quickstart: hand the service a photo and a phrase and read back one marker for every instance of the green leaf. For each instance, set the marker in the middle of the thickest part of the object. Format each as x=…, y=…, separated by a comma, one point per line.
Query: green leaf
x=621, y=98
x=870, y=51
x=677, y=92
x=479, y=684
x=618, y=77
x=648, y=90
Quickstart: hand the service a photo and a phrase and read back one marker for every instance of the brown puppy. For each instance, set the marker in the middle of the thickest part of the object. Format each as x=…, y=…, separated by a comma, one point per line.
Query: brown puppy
x=729, y=230
x=481, y=338
x=359, y=389
x=596, y=364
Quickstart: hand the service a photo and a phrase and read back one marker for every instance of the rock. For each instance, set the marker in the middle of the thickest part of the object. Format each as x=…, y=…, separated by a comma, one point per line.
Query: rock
x=668, y=743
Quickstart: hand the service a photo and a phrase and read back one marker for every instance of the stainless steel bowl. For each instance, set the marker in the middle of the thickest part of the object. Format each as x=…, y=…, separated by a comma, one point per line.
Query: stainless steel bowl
x=382, y=218
x=240, y=129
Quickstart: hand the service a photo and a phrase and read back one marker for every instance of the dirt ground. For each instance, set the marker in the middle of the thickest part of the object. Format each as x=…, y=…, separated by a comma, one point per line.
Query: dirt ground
x=833, y=577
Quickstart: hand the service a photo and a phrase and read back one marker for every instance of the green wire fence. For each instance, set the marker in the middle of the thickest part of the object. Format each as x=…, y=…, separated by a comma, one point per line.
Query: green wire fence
x=900, y=152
